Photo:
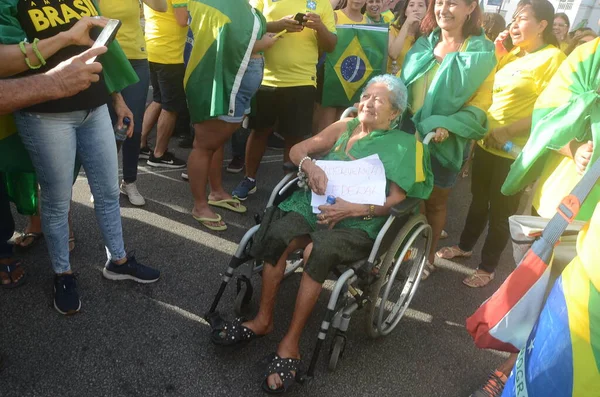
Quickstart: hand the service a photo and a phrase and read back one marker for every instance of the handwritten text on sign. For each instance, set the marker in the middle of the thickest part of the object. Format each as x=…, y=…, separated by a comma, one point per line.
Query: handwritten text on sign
x=359, y=181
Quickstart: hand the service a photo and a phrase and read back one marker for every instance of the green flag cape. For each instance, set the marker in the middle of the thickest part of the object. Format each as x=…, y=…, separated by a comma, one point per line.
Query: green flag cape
x=360, y=53
x=14, y=159
x=224, y=35
x=448, y=102
x=569, y=108
x=405, y=160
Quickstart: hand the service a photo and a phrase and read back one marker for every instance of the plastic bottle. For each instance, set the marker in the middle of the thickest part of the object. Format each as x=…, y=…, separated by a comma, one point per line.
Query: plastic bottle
x=512, y=149
x=121, y=133
x=330, y=201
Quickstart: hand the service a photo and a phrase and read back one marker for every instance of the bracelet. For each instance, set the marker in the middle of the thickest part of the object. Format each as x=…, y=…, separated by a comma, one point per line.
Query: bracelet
x=37, y=52
x=24, y=51
x=302, y=178
x=371, y=214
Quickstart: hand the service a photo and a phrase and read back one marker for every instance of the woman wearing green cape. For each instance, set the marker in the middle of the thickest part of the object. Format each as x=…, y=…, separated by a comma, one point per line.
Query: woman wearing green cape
x=449, y=76
x=223, y=73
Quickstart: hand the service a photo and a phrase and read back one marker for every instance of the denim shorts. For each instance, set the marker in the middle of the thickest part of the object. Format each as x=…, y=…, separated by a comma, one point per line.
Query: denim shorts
x=248, y=87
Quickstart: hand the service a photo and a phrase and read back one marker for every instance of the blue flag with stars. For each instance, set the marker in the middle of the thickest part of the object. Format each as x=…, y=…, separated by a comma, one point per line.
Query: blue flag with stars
x=360, y=54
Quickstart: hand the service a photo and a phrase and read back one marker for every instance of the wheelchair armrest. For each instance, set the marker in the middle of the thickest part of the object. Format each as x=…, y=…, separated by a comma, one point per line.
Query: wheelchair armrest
x=406, y=206
x=289, y=167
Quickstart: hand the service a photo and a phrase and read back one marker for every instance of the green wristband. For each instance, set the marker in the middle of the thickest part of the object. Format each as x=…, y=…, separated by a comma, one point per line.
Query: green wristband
x=37, y=52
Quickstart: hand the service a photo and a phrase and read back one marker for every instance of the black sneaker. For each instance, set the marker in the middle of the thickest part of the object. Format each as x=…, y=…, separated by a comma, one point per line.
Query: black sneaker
x=167, y=160
x=275, y=142
x=145, y=153
x=130, y=270
x=235, y=165
x=66, y=295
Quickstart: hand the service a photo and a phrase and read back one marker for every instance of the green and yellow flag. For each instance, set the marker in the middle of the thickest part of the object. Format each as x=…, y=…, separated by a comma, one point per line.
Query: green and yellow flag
x=223, y=36
x=360, y=54
x=568, y=109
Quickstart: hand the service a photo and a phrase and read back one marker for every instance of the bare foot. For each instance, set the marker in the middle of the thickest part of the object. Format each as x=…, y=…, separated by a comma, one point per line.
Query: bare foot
x=207, y=213
x=258, y=327
x=223, y=195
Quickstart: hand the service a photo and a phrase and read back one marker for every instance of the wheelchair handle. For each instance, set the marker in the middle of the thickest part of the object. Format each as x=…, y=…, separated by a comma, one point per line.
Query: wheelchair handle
x=347, y=112
x=428, y=138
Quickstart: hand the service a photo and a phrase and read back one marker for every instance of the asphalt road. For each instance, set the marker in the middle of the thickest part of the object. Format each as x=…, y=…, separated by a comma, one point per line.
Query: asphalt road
x=150, y=340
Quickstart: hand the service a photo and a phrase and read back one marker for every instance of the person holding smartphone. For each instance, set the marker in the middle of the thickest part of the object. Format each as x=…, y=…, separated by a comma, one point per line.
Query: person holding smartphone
x=36, y=37
x=521, y=76
x=288, y=91
x=131, y=39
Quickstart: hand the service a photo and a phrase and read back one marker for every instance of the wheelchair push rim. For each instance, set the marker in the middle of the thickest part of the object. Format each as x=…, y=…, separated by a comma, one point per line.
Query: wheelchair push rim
x=409, y=287
x=386, y=307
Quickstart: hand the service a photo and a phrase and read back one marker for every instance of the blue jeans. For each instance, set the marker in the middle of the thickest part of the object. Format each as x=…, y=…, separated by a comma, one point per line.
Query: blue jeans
x=135, y=98
x=248, y=87
x=53, y=140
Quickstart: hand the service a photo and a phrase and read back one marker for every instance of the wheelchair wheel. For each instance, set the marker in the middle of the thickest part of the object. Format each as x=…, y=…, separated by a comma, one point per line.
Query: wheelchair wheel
x=338, y=345
x=399, y=276
x=243, y=297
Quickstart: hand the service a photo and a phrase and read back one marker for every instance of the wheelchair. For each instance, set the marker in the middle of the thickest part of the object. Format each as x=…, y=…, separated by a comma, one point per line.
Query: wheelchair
x=384, y=283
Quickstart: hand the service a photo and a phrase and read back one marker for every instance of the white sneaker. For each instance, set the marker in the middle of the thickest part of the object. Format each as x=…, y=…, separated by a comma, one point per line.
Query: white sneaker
x=132, y=193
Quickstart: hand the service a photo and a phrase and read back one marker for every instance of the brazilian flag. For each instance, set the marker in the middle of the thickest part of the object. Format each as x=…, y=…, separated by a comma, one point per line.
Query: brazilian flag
x=568, y=109
x=222, y=35
x=360, y=54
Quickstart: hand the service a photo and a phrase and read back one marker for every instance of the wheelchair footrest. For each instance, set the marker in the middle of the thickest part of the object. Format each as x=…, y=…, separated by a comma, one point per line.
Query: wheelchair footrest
x=215, y=320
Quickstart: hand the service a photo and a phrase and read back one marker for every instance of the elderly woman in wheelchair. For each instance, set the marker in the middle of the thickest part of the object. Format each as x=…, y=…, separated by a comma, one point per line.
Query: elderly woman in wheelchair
x=349, y=229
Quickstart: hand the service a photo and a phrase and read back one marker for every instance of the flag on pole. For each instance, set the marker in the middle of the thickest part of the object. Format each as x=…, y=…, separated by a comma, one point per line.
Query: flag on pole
x=360, y=54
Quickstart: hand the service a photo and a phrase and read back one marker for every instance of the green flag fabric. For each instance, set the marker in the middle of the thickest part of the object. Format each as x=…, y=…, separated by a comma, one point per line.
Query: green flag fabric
x=116, y=69
x=568, y=109
x=224, y=33
x=454, y=99
x=360, y=54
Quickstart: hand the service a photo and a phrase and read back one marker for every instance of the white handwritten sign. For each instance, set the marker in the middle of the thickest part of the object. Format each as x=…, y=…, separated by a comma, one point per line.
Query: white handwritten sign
x=360, y=181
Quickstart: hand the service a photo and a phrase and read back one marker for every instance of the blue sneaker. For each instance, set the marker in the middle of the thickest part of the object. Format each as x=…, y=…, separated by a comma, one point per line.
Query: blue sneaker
x=245, y=187
x=130, y=270
x=66, y=295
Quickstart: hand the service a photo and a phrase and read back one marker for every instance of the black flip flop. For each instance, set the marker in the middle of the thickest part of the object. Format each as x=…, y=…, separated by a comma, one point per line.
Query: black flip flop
x=233, y=334
x=9, y=269
x=283, y=367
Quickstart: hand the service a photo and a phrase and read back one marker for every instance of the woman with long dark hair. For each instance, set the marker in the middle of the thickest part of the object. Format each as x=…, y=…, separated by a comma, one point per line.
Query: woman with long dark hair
x=403, y=33
x=449, y=75
x=521, y=76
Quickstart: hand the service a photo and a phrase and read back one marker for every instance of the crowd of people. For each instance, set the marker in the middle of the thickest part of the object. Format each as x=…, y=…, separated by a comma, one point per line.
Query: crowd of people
x=256, y=67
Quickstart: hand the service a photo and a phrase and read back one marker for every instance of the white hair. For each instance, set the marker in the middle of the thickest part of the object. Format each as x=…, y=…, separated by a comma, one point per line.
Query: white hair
x=398, y=92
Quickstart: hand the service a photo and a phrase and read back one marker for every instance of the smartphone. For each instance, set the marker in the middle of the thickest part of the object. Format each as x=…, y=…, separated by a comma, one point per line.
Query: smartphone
x=106, y=36
x=300, y=18
x=508, y=43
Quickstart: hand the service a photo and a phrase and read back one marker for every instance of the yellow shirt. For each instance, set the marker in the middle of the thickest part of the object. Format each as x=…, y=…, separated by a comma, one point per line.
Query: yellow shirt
x=518, y=83
x=408, y=43
x=165, y=38
x=130, y=36
x=291, y=61
x=563, y=46
x=387, y=16
x=343, y=19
